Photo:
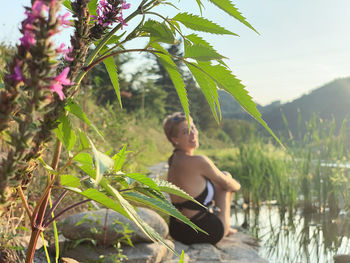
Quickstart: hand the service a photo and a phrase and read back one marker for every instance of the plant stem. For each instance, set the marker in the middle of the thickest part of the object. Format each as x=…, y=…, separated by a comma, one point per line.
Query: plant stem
x=24, y=201
x=65, y=210
x=39, y=212
x=32, y=244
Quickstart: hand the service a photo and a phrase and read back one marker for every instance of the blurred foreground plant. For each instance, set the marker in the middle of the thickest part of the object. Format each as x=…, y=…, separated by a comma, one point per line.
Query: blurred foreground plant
x=38, y=92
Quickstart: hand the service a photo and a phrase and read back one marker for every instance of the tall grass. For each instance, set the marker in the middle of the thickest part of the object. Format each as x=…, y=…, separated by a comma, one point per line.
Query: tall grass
x=310, y=173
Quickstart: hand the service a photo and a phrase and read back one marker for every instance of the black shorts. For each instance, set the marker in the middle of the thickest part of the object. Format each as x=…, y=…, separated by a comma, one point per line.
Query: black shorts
x=208, y=222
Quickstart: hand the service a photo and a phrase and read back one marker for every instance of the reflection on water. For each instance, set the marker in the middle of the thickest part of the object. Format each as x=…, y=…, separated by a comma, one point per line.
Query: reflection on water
x=309, y=238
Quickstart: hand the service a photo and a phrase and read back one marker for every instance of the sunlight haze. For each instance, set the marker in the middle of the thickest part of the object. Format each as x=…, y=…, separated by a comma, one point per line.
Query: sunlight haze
x=301, y=45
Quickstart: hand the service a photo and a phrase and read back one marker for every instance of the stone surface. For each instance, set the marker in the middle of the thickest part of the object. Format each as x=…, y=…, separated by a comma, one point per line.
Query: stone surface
x=90, y=225
x=140, y=253
x=68, y=260
x=342, y=258
x=236, y=248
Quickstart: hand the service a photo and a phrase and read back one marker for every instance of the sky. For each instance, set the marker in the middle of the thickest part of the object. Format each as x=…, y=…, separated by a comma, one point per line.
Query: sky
x=301, y=45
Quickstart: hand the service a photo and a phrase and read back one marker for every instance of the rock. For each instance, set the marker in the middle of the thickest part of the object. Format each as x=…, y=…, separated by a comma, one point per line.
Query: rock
x=140, y=253
x=148, y=253
x=90, y=225
x=68, y=260
x=24, y=242
x=341, y=258
x=232, y=249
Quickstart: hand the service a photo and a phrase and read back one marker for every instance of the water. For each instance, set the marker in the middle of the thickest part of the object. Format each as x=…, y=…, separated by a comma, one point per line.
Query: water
x=312, y=238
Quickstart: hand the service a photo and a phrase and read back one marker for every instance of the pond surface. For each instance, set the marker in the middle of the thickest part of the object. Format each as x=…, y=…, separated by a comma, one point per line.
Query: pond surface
x=310, y=238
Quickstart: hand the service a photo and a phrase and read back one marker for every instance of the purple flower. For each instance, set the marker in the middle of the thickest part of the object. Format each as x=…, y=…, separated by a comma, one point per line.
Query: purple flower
x=28, y=39
x=60, y=80
x=62, y=20
x=17, y=75
x=66, y=52
x=110, y=12
x=38, y=7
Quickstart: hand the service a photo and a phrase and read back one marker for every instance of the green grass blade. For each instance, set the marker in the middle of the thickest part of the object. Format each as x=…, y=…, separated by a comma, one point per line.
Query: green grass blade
x=45, y=248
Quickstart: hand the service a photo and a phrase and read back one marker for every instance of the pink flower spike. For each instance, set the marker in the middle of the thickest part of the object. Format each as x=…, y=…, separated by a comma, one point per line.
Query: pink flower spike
x=38, y=7
x=17, y=75
x=63, y=20
x=28, y=39
x=125, y=5
x=62, y=78
x=58, y=89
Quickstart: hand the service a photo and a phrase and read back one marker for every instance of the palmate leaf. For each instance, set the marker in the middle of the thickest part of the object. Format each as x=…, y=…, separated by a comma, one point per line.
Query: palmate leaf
x=102, y=163
x=143, y=179
x=65, y=133
x=167, y=187
x=149, y=231
x=92, y=6
x=195, y=39
x=83, y=141
x=228, y=82
x=158, y=32
x=175, y=77
x=83, y=158
x=69, y=180
x=67, y=4
x=198, y=23
x=74, y=108
x=201, y=53
x=230, y=9
x=113, y=75
x=209, y=89
x=101, y=198
x=162, y=205
x=119, y=159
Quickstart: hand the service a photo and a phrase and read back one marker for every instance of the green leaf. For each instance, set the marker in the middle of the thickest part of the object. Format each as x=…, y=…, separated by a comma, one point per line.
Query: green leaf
x=158, y=32
x=67, y=4
x=65, y=133
x=201, y=53
x=92, y=6
x=113, y=75
x=201, y=24
x=230, y=9
x=175, y=77
x=161, y=205
x=83, y=158
x=143, y=179
x=83, y=141
x=228, y=82
x=102, y=163
x=119, y=159
x=76, y=110
x=209, y=89
x=200, y=5
x=101, y=198
x=167, y=187
x=70, y=180
x=47, y=167
x=149, y=231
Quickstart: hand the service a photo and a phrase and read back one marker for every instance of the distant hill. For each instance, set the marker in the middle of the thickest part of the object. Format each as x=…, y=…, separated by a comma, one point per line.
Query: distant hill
x=328, y=101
